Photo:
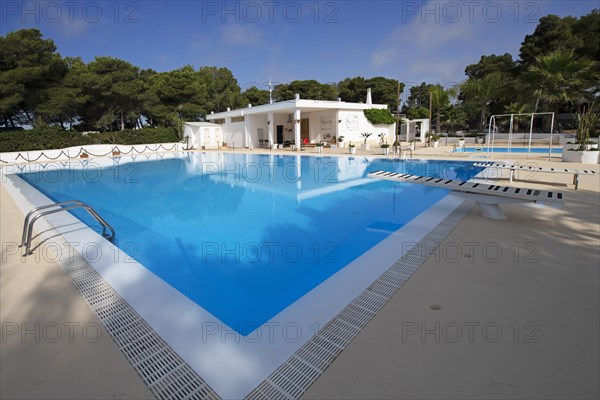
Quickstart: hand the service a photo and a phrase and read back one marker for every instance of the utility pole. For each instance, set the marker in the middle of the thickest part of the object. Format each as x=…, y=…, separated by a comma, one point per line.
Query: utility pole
x=398, y=115
x=430, y=103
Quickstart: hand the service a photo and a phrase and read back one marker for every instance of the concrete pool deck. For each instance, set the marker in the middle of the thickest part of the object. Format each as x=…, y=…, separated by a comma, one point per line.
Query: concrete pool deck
x=522, y=293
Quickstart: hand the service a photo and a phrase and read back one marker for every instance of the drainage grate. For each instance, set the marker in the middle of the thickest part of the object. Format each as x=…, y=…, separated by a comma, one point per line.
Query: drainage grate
x=302, y=369
x=165, y=374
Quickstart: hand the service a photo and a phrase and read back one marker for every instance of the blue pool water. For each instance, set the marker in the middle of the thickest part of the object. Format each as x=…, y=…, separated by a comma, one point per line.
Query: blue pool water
x=245, y=236
x=542, y=150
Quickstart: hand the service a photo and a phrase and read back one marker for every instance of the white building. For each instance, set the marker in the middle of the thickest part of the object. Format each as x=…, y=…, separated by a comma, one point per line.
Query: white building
x=300, y=121
x=200, y=135
x=414, y=129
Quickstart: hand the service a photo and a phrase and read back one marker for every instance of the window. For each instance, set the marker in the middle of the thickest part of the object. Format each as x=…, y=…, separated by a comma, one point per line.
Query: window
x=237, y=119
x=219, y=121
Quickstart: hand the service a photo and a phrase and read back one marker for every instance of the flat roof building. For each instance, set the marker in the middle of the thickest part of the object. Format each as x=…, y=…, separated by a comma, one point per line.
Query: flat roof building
x=300, y=121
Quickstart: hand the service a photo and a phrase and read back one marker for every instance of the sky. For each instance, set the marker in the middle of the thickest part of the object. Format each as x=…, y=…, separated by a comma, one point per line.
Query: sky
x=411, y=41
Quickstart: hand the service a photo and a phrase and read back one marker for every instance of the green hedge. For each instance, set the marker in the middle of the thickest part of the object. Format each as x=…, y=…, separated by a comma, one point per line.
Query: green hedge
x=379, y=116
x=52, y=138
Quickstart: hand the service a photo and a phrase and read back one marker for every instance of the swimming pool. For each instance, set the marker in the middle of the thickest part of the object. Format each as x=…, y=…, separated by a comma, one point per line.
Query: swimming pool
x=245, y=236
x=537, y=150
x=209, y=232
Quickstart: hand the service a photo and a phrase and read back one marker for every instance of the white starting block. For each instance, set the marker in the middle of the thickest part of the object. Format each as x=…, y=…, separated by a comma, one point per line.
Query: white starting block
x=488, y=197
x=528, y=168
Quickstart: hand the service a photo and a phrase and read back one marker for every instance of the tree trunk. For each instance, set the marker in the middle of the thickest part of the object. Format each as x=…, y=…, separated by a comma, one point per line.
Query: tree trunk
x=29, y=118
x=122, y=120
x=438, y=121
x=482, y=118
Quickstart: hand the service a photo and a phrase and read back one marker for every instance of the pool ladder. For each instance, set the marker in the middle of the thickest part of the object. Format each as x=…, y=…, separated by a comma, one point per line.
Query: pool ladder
x=41, y=211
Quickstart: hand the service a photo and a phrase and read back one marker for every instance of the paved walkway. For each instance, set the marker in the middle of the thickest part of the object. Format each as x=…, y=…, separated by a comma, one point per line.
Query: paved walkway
x=52, y=345
x=504, y=309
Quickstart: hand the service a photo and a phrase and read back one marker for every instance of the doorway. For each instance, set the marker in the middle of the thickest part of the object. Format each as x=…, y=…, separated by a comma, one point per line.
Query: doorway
x=304, y=130
x=279, y=134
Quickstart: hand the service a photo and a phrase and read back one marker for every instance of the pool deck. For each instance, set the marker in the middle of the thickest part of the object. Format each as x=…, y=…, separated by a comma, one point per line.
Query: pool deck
x=503, y=309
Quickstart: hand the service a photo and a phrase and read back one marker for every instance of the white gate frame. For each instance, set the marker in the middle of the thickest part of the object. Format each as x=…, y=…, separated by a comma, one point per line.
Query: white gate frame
x=492, y=133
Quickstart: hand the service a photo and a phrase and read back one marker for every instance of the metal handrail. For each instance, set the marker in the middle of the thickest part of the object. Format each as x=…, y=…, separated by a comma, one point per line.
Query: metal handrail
x=406, y=150
x=30, y=213
x=51, y=209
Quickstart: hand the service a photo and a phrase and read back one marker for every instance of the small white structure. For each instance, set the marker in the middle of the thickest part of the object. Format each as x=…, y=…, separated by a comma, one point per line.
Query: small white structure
x=415, y=129
x=300, y=121
x=202, y=135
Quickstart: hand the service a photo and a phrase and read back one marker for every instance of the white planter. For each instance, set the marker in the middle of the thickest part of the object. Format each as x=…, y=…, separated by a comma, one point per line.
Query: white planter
x=385, y=151
x=436, y=143
x=461, y=142
x=341, y=145
x=352, y=150
x=583, y=157
x=275, y=146
x=364, y=146
x=412, y=146
x=319, y=149
x=568, y=146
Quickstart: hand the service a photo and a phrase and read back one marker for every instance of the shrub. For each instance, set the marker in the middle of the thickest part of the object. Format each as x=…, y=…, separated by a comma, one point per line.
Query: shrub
x=379, y=116
x=55, y=138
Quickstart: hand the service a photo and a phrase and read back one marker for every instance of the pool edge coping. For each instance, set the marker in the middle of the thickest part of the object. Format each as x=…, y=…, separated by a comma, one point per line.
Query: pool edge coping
x=253, y=392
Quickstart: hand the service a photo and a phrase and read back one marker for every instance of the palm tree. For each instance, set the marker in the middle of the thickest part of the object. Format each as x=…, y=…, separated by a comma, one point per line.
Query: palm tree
x=455, y=116
x=439, y=99
x=482, y=92
x=559, y=78
x=516, y=108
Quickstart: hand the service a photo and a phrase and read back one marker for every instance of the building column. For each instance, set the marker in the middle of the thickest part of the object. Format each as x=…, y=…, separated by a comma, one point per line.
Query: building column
x=297, y=119
x=337, y=127
x=246, y=133
x=299, y=172
x=270, y=124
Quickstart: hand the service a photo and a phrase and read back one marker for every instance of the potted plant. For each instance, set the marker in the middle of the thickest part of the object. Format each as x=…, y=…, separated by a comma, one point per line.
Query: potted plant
x=351, y=148
x=319, y=147
x=461, y=142
x=428, y=136
x=435, y=139
x=396, y=146
x=586, y=122
x=341, y=142
x=365, y=145
x=385, y=149
x=412, y=144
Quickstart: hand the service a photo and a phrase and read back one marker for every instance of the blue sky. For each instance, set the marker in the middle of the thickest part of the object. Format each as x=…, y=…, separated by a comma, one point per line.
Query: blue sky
x=412, y=41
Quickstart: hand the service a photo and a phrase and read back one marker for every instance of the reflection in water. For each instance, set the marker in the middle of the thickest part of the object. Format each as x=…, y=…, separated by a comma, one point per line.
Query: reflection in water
x=245, y=235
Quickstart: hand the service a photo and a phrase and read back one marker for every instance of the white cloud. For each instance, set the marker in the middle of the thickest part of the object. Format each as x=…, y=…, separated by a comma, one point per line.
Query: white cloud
x=241, y=35
x=420, y=40
x=74, y=28
x=384, y=56
x=444, y=70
